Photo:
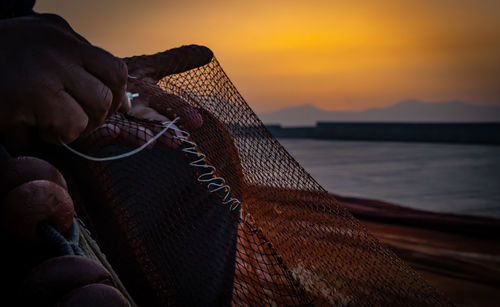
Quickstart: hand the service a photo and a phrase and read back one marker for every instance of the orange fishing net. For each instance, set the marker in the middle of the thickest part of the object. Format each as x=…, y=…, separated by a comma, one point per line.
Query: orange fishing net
x=177, y=240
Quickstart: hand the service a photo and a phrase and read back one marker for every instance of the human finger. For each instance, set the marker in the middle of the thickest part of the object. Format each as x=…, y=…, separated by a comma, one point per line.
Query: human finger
x=61, y=119
x=104, y=135
x=126, y=105
x=144, y=112
x=167, y=104
x=168, y=137
x=133, y=134
x=117, y=130
x=19, y=170
x=32, y=203
x=94, y=295
x=111, y=70
x=55, y=277
x=173, y=106
x=93, y=96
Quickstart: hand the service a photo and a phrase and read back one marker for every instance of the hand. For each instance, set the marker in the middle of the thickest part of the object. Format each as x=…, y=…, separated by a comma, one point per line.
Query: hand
x=153, y=104
x=151, y=108
x=155, y=100
x=54, y=80
x=120, y=130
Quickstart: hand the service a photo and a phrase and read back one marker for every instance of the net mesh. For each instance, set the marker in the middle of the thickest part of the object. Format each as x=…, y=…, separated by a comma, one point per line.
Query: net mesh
x=175, y=241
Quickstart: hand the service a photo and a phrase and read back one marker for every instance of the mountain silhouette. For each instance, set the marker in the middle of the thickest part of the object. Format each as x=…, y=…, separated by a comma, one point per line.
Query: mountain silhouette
x=405, y=111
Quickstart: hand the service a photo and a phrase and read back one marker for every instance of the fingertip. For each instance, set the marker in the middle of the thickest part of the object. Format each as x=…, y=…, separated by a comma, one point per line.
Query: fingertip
x=126, y=105
x=111, y=71
x=169, y=140
x=73, y=130
x=123, y=72
x=67, y=139
x=50, y=139
x=103, y=136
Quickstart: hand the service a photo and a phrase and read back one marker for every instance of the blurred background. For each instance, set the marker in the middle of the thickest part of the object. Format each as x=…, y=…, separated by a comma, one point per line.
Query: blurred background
x=335, y=55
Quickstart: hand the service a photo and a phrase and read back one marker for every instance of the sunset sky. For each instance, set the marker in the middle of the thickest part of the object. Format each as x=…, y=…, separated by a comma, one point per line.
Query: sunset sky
x=336, y=55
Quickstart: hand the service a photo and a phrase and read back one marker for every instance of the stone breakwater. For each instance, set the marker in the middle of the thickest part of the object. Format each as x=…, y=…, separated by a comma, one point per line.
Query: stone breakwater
x=464, y=133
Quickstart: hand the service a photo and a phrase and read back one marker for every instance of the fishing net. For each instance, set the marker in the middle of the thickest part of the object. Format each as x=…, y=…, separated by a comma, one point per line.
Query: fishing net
x=225, y=215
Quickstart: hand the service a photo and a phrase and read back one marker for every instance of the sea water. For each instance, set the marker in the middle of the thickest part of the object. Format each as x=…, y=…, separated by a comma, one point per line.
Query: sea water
x=453, y=178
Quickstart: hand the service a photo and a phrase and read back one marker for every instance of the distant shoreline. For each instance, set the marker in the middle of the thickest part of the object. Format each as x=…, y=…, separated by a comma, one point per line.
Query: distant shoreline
x=462, y=133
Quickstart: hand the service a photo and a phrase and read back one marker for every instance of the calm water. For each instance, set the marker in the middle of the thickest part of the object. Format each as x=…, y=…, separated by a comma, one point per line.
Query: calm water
x=437, y=177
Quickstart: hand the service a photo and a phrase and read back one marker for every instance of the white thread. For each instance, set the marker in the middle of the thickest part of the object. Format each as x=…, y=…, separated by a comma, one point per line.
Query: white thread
x=127, y=154
x=221, y=184
x=131, y=96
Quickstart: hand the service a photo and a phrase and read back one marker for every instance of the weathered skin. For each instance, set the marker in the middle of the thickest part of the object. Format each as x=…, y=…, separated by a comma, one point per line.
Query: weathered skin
x=29, y=205
x=55, y=81
x=54, y=278
x=19, y=170
x=153, y=103
x=94, y=295
x=167, y=197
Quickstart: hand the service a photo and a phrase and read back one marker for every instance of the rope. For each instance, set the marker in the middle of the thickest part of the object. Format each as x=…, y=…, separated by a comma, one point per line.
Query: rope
x=91, y=249
x=70, y=245
x=64, y=245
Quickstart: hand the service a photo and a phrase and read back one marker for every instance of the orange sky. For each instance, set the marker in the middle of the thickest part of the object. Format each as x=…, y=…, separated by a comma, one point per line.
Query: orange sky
x=337, y=55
